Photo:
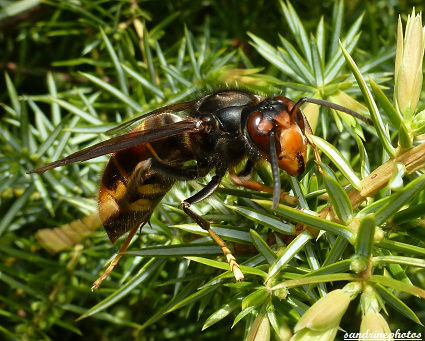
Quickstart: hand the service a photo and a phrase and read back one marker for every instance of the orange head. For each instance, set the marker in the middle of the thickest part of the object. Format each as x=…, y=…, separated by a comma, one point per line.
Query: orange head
x=274, y=116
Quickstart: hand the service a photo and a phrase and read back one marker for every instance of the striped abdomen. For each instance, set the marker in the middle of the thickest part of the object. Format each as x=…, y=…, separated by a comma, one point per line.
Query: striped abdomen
x=130, y=188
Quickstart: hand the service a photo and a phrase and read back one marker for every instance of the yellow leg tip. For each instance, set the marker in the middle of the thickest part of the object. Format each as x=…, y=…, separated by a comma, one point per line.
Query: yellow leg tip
x=238, y=274
x=234, y=267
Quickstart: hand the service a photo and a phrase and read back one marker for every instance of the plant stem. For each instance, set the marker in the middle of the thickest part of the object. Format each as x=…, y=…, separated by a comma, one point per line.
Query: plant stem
x=413, y=159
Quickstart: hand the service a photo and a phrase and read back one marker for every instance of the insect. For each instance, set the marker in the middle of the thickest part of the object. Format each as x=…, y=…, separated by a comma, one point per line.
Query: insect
x=219, y=132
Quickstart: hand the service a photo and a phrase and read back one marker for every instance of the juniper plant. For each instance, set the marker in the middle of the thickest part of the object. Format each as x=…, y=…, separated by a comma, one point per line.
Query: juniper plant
x=356, y=231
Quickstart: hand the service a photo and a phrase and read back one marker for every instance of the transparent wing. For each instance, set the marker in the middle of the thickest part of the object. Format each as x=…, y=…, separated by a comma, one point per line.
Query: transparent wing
x=126, y=141
x=169, y=108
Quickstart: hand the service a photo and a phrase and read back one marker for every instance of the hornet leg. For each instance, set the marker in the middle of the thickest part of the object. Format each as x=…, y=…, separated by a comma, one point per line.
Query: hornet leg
x=247, y=170
x=242, y=179
x=116, y=259
x=202, y=194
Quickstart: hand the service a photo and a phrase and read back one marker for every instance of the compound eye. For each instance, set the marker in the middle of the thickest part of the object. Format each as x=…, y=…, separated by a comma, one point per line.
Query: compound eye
x=259, y=128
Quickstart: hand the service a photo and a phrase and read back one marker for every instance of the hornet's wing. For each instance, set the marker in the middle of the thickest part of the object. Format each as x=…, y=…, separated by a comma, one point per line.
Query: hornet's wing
x=126, y=141
x=173, y=108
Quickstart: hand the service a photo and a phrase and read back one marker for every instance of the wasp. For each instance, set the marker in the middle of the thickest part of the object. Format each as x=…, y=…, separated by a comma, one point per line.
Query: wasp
x=218, y=132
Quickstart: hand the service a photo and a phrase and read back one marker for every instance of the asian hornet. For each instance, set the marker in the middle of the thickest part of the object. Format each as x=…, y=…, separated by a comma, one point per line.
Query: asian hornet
x=219, y=132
